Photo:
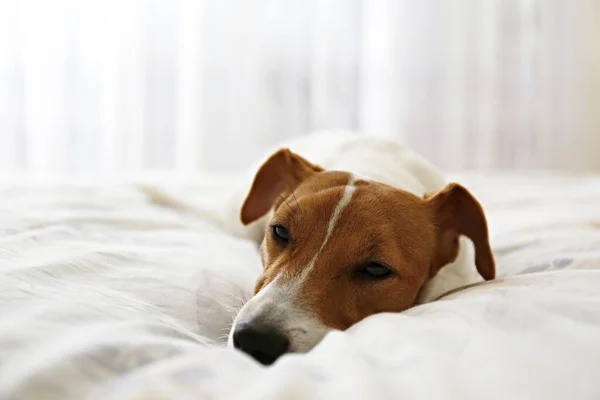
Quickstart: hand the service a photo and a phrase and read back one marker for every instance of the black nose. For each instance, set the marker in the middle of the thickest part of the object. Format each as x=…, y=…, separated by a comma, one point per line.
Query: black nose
x=264, y=343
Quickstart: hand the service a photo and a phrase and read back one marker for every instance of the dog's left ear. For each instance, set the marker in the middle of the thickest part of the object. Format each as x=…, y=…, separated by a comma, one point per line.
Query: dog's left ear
x=456, y=212
x=282, y=172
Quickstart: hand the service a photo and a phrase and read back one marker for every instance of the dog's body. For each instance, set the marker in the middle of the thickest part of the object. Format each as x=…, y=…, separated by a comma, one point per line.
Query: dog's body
x=336, y=205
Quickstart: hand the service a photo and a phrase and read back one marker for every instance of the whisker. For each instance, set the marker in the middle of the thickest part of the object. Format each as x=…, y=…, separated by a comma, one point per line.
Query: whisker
x=293, y=194
x=232, y=309
x=295, y=199
x=286, y=203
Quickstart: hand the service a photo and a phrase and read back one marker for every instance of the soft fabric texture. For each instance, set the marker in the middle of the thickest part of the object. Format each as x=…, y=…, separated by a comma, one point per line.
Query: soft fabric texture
x=127, y=292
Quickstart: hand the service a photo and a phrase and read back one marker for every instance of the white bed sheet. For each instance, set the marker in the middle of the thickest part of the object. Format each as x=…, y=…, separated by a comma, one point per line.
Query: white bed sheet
x=105, y=294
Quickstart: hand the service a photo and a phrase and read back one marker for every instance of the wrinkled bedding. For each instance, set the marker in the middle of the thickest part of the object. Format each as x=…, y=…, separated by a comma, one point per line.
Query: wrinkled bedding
x=127, y=292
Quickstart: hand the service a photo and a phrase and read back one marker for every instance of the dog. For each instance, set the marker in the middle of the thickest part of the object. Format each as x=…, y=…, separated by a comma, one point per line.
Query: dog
x=350, y=226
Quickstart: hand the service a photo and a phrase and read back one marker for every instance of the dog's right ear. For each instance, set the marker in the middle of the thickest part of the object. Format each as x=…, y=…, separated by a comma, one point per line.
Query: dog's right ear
x=283, y=171
x=456, y=213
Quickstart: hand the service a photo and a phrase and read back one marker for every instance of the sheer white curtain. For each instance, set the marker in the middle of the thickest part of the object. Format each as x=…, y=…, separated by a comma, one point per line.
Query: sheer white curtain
x=99, y=88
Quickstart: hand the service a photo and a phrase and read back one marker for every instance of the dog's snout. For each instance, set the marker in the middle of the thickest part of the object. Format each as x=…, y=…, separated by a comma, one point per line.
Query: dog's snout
x=263, y=342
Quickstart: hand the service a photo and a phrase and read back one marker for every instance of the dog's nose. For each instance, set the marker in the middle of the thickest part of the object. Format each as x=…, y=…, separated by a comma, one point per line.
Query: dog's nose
x=264, y=343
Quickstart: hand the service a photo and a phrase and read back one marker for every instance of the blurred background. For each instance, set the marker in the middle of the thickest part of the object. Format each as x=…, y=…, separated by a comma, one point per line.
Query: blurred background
x=94, y=88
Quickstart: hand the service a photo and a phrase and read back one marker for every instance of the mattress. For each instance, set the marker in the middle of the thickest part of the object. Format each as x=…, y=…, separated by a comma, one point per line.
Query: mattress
x=127, y=291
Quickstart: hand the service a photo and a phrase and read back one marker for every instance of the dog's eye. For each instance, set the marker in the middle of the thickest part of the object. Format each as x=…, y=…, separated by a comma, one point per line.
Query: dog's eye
x=280, y=233
x=374, y=270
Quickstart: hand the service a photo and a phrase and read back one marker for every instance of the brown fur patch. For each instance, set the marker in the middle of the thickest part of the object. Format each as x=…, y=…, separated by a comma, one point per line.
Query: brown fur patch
x=382, y=225
x=414, y=237
x=314, y=200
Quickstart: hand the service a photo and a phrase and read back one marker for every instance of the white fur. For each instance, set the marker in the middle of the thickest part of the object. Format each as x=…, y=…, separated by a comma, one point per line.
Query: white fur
x=335, y=216
x=370, y=158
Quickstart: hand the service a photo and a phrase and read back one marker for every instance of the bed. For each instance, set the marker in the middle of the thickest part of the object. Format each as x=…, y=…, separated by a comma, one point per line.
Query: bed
x=127, y=290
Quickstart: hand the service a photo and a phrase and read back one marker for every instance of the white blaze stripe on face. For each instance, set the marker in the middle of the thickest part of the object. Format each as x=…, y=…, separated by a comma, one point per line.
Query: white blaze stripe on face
x=337, y=212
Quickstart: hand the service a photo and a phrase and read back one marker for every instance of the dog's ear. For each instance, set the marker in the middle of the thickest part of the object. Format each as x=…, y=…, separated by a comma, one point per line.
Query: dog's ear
x=283, y=171
x=456, y=212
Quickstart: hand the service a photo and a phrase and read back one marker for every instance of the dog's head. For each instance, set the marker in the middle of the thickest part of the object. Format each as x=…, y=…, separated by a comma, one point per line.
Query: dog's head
x=339, y=248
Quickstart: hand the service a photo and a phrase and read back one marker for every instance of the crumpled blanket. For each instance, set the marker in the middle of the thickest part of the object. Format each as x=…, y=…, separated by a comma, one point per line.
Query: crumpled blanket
x=125, y=292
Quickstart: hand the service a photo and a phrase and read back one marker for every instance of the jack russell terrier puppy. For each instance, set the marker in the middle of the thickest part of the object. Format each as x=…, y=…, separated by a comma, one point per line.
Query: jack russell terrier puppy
x=351, y=226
